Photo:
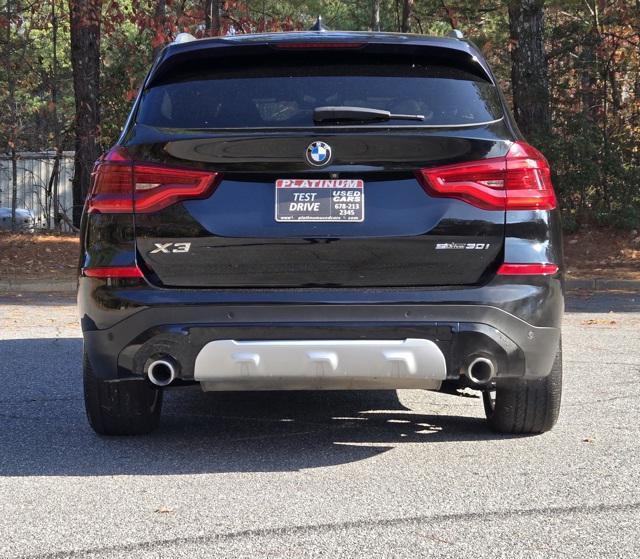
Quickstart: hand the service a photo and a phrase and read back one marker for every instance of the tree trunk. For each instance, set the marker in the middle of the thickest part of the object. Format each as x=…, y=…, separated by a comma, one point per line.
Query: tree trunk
x=14, y=187
x=10, y=70
x=212, y=17
x=529, y=77
x=54, y=179
x=587, y=78
x=160, y=17
x=452, y=21
x=85, y=61
x=407, y=9
x=375, y=15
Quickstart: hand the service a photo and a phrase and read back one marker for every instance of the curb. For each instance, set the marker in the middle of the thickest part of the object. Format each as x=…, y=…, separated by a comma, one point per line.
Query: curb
x=38, y=286
x=602, y=284
x=8, y=287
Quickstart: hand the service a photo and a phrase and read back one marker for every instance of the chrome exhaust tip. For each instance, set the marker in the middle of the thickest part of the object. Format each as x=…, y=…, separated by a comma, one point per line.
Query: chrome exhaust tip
x=481, y=370
x=162, y=372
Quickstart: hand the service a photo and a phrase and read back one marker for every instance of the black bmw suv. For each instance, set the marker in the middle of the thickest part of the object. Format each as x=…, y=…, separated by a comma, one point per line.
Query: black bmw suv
x=321, y=210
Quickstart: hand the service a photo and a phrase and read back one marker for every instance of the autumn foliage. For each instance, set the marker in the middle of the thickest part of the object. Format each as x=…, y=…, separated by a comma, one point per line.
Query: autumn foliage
x=590, y=96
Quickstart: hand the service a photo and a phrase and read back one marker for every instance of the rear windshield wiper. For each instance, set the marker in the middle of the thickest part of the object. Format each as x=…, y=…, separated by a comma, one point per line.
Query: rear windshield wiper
x=357, y=114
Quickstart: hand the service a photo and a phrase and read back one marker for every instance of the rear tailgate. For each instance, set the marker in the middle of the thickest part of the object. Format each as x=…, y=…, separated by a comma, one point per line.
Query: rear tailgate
x=253, y=127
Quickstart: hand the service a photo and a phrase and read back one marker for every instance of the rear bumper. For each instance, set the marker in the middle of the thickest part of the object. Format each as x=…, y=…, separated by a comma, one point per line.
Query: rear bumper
x=518, y=324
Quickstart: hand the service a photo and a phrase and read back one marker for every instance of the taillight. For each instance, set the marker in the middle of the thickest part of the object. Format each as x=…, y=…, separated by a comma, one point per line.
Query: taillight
x=519, y=181
x=528, y=182
x=121, y=186
x=158, y=187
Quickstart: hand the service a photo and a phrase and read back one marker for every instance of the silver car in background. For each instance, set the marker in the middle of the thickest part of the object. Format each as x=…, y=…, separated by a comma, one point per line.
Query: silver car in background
x=25, y=220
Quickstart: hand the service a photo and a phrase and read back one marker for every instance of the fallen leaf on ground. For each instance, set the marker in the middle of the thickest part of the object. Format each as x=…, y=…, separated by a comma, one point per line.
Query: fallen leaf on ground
x=163, y=509
x=592, y=321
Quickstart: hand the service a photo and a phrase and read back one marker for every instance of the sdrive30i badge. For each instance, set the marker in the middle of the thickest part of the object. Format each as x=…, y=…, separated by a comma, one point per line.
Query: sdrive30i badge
x=462, y=246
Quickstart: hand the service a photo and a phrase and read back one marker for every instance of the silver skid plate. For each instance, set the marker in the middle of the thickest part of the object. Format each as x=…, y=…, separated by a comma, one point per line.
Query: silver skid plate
x=320, y=364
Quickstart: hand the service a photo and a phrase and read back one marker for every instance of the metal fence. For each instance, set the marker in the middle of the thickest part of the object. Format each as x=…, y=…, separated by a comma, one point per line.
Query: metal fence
x=34, y=175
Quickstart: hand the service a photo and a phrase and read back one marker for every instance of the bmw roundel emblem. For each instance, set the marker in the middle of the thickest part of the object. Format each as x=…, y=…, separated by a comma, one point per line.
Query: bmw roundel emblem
x=318, y=154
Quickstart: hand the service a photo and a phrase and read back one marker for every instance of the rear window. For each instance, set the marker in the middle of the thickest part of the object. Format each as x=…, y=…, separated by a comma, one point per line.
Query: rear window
x=285, y=95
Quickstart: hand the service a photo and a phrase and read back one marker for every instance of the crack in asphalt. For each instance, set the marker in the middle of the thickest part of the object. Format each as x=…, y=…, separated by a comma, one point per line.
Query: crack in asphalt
x=578, y=361
x=40, y=400
x=333, y=526
x=600, y=400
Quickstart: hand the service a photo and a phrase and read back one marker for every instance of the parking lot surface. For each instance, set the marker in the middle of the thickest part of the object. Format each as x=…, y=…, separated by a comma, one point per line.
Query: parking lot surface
x=319, y=474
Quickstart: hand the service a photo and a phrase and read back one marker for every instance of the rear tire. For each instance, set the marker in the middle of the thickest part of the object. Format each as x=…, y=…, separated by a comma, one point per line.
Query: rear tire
x=529, y=406
x=128, y=407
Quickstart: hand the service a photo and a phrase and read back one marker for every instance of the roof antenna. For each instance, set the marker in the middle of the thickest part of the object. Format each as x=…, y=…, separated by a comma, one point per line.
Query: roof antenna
x=318, y=25
x=183, y=38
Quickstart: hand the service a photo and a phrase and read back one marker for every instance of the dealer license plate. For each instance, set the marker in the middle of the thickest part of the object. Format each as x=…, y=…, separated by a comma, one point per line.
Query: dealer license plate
x=319, y=200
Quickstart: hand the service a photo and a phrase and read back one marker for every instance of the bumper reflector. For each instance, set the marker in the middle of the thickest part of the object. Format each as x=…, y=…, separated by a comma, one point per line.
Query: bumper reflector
x=527, y=269
x=113, y=272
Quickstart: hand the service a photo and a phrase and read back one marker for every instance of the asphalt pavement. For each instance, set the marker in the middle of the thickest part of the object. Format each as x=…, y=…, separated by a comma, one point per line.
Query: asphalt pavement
x=408, y=474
